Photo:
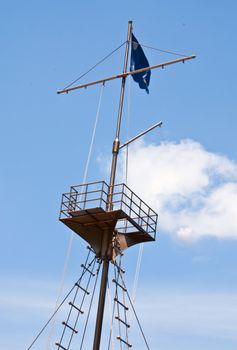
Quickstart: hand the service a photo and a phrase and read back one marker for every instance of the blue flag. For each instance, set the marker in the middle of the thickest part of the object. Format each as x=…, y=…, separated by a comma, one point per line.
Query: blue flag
x=138, y=61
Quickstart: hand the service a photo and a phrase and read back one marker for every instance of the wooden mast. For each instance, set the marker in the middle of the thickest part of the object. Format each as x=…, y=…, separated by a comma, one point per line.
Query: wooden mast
x=107, y=239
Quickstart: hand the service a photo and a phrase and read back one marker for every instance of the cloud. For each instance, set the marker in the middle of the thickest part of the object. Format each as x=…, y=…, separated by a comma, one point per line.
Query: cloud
x=193, y=190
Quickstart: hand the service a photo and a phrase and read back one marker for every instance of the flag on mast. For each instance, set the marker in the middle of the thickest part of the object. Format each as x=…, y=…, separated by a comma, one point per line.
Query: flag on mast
x=138, y=61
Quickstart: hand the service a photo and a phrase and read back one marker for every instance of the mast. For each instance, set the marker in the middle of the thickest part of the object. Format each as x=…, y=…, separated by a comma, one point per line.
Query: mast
x=98, y=213
x=111, y=218
x=107, y=238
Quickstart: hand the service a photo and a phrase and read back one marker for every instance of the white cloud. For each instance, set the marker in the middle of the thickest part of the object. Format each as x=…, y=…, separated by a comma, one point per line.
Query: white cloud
x=193, y=190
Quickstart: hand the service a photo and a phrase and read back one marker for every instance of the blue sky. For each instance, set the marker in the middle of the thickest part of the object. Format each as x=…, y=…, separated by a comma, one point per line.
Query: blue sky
x=189, y=275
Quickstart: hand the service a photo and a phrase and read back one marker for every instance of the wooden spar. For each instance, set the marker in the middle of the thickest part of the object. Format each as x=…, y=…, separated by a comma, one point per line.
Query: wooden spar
x=108, y=238
x=140, y=135
x=122, y=75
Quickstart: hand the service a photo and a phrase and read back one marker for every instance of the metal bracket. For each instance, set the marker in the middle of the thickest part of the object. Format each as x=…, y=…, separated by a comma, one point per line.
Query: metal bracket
x=141, y=134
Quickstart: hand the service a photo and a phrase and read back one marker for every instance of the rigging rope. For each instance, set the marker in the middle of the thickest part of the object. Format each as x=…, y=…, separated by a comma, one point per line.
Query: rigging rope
x=93, y=67
x=81, y=304
x=121, y=305
x=137, y=272
x=69, y=248
x=57, y=309
x=127, y=129
x=50, y=336
x=46, y=324
x=118, y=313
x=140, y=253
x=89, y=311
x=72, y=304
x=111, y=313
x=93, y=134
x=116, y=277
x=125, y=315
x=165, y=51
x=139, y=324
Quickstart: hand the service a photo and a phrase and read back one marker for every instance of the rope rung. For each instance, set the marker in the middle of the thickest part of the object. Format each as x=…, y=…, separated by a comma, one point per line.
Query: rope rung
x=73, y=305
x=68, y=326
x=91, y=249
x=124, y=341
x=60, y=346
x=125, y=324
x=84, y=290
x=120, y=285
x=118, y=250
x=119, y=302
x=84, y=267
x=120, y=269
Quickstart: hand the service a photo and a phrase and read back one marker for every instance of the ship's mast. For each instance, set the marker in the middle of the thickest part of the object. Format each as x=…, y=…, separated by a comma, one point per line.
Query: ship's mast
x=107, y=238
x=105, y=218
x=111, y=218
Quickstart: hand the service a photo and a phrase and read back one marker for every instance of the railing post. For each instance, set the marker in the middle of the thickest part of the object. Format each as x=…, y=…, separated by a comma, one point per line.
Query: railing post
x=102, y=193
x=85, y=196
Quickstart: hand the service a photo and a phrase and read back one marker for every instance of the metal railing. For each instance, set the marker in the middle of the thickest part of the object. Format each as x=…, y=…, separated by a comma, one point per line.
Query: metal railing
x=95, y=195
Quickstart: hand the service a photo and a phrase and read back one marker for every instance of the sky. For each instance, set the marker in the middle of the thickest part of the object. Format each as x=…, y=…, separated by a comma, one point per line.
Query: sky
x=186, y=170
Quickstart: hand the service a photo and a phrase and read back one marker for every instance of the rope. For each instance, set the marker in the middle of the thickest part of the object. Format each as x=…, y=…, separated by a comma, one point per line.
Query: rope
x=110, y=334
x=137, y=272
x=139, y=324
x=117, y=297
x=111, y=53
x=93, y=134
x=49, y=340
x=139, y=258
x=82, y=302
x=128, y=128
x=121, y=304
x=93, y=67
x=41, y=331
x=89, y=311
x=111, y=313
x=125, y=315
x=68, y=253
x=74, y=299
x=165, y=51
x=55, y=312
